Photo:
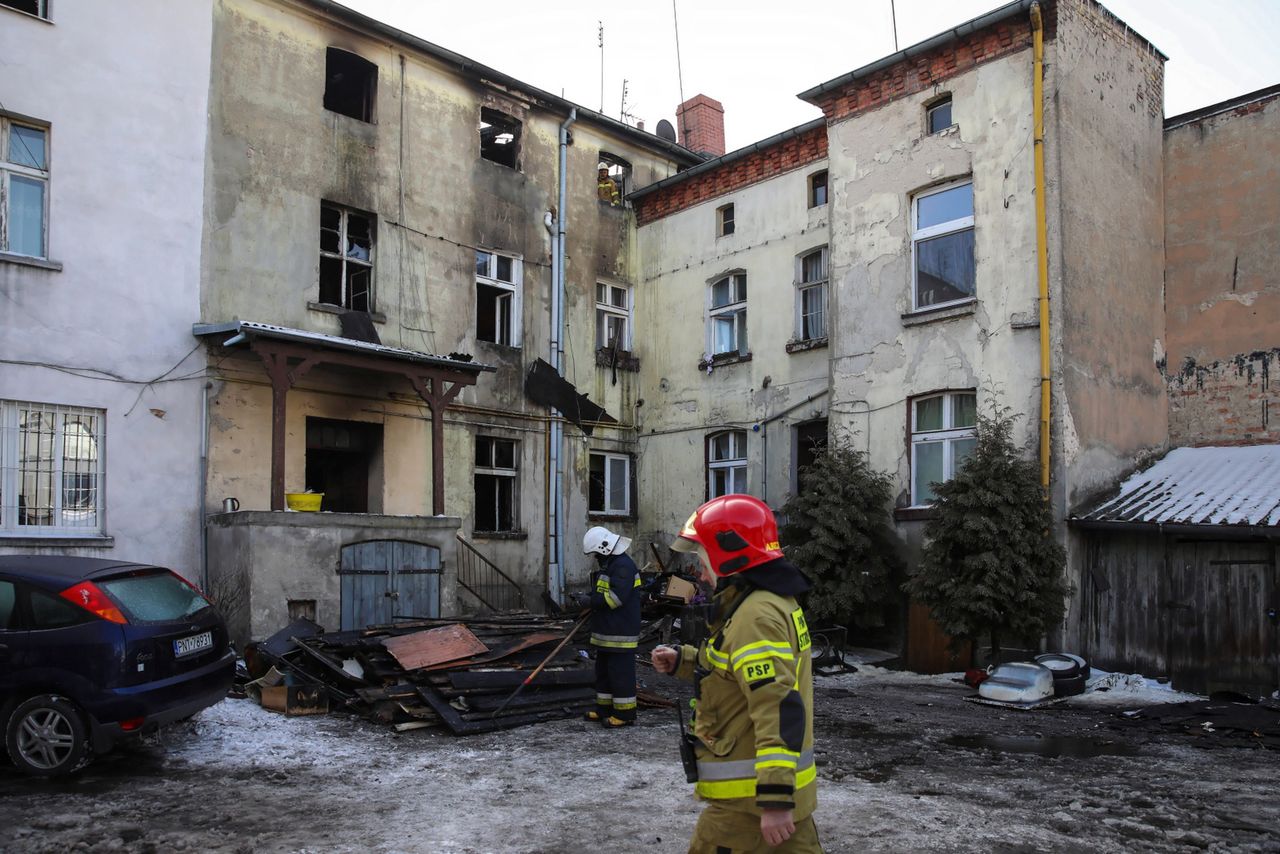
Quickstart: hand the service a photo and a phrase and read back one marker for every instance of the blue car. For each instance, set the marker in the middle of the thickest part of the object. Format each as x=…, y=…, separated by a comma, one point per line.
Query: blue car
x=96, y=651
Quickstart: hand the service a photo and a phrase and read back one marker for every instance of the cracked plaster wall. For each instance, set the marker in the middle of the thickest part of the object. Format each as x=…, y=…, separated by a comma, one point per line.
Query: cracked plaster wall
x=1222, y=297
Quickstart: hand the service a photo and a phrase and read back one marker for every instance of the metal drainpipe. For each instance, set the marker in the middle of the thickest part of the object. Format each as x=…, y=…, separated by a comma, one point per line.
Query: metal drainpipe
x=1042, y=239
x=555, y=571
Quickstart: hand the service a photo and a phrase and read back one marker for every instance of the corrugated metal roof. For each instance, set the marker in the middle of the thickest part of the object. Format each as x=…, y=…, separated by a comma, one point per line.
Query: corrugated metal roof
x=284, y=333
x=1201, y=486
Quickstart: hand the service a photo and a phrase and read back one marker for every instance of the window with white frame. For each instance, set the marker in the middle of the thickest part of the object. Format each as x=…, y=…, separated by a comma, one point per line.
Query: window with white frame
x=727, y=318
x=498, y=298
x=613, y=316
x=942, y=246
x=726, y=463
x=496, y=484
x=24, y=188
x=39, y=8
x=811, y=295
x=51, y=469
x=346, y=257
x=943, y=433
x=609, y=484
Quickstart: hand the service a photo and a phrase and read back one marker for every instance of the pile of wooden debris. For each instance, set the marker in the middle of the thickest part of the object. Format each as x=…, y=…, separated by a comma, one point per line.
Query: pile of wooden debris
x=419, y=673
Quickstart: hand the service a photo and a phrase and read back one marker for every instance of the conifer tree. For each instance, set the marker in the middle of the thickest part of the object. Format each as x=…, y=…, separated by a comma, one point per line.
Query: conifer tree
x=991, y=567
x=837, y=530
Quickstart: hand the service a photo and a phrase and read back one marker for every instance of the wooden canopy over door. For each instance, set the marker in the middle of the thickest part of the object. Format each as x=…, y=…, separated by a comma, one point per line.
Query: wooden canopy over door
x=288, y=361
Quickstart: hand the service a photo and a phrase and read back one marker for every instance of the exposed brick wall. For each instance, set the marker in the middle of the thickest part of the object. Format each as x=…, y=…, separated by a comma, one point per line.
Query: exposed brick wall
x=701, y=122
x=789, y=154
x=923, y=72
x=1229, y=402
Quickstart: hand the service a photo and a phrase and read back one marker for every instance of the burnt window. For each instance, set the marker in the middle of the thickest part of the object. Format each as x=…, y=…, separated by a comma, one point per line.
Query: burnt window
x=495, y=484
x=811, y=443
x=499, y=137
x=39, y=8
x=613, y=179
x=938, y=115
x=346, y=257
x=818, y=189
x=343, y=462
x=350, y=83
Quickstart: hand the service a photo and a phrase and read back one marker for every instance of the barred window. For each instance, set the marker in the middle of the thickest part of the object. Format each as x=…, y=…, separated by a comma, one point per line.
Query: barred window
x=51, y=469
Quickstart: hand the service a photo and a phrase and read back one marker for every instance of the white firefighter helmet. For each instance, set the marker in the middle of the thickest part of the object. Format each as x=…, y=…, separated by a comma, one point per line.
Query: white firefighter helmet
x=600, y=540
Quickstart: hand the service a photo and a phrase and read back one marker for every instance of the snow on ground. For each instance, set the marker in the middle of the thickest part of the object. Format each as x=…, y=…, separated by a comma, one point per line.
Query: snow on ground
x=903, y=767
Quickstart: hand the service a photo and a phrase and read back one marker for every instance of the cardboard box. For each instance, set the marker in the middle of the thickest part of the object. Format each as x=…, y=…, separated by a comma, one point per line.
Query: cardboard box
x=295, y=699
x=678, y=588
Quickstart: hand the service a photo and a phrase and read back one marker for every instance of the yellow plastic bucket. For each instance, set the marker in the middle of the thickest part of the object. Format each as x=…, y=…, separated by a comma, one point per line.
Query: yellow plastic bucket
x=304, y=501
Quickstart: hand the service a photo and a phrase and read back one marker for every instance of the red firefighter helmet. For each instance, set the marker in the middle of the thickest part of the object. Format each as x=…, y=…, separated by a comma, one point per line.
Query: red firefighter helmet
x=737, y=532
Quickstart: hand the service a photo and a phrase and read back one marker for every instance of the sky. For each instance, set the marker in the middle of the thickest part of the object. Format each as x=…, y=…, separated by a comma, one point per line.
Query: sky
x=754, y=56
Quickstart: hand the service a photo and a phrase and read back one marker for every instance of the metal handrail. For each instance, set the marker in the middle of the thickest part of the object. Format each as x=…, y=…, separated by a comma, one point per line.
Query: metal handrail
x=477, y=572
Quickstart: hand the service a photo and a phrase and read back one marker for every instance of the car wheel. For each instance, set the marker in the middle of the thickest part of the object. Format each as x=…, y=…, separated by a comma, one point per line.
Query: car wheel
x=1069, y=686
x=45, y=737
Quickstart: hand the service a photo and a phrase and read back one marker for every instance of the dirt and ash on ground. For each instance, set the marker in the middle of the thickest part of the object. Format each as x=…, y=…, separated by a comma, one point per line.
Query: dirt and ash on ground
x=906, y=764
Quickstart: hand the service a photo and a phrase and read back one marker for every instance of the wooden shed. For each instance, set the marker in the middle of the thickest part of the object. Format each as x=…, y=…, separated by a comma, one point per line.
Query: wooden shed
x=1177, y=573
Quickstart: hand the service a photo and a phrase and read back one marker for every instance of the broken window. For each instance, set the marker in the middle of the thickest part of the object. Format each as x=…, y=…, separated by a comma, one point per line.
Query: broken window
x=613, y=179
x=938, y=115
x=609, y=485
x=51, y=468
x=499, y=137
x=811, y=295
x=613, y=316
x=942, y=243
x=810, y=443
x=943, y=433
x=39, y=8
x=346, y=257
x=726, y=463
x=727, y=319
x=495, y=484
x=24, y=188
x=498, y=298
x=350, y=83
x=724, y=220
x=818, y=189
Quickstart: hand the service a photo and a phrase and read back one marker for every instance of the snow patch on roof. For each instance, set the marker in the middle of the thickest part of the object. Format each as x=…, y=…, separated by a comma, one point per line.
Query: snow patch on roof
x=1202, y=486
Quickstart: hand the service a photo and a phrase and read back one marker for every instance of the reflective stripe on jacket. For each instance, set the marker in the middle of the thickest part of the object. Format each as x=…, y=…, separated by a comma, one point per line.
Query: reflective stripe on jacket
x=754, y=716
x=615, y=605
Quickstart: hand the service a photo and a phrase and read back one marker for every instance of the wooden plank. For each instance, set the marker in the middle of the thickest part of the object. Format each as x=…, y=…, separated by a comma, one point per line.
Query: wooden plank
x=520, y=645
x=499, y=679
x=434, y=646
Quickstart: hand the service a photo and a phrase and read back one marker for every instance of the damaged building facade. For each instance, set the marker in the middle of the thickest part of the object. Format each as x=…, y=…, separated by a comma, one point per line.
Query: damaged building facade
x=925, y=254
x=382, y=226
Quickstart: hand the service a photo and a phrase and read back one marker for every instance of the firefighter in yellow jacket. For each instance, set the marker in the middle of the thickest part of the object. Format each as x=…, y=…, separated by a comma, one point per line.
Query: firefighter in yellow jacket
x=753, y=681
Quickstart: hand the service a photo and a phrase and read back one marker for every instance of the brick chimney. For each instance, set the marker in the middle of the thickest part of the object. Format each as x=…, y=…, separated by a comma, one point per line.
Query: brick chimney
x=701, y=125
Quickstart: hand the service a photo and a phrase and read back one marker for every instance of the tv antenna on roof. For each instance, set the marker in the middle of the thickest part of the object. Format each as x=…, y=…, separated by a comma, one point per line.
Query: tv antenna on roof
x=600, y=33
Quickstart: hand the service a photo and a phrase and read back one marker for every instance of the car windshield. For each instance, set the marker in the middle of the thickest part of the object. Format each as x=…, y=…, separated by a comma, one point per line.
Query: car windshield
x=155, y=597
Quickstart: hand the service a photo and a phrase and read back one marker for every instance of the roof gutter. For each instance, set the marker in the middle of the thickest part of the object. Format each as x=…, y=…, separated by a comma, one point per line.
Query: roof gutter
x=470, y=66
x=1220, y=532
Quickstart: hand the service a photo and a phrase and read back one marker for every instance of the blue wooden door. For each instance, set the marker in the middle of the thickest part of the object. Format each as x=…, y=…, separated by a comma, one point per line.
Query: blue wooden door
x=386, y=579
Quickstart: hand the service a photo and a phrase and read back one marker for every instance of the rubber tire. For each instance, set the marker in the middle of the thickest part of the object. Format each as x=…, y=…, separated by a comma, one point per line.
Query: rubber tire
x=1069, y=686
x=58, y=712
x=1063, y=667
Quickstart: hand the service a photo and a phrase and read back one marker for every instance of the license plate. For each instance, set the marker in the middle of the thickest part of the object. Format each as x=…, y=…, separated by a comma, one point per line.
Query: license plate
x=193, y=644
